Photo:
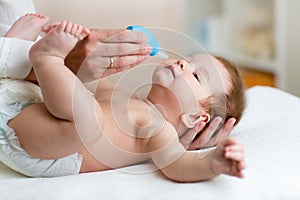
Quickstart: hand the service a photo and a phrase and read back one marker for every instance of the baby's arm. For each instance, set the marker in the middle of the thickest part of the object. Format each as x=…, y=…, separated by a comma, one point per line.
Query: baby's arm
x=64, y=95
x=99, y=85
x=188, y=166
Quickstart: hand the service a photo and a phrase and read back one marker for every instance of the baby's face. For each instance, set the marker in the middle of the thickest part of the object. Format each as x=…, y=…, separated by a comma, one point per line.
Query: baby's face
x=192, y=79
x=217, y=77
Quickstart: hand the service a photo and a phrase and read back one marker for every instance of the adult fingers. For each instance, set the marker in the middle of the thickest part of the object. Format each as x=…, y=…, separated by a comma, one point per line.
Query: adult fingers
x=121, y=49
x=204, y=140
x=226, y=129
x=119, y=36
x=223, y=132
x=124, y=63
x=201, y=141
x=187, y=139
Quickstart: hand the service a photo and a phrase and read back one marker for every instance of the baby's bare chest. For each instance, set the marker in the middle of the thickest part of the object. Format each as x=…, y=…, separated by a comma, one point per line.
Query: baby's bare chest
x=128, y=121
x=123, y=117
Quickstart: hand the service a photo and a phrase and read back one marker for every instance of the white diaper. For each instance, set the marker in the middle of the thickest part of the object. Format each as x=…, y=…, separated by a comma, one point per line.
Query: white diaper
x=14, y=96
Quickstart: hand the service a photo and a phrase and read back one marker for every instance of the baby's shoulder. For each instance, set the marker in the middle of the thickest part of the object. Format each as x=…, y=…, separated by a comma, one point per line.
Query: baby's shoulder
x=153, y=123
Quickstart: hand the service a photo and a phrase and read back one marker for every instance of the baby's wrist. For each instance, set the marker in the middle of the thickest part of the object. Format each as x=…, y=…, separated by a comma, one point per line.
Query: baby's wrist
x=213, y=170
x=213, y=165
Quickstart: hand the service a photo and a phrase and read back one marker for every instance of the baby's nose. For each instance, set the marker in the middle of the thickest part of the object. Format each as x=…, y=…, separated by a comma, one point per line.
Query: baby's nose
x=182, y=64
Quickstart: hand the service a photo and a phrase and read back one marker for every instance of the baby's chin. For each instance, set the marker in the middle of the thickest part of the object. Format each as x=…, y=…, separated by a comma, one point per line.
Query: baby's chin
x=161, y=75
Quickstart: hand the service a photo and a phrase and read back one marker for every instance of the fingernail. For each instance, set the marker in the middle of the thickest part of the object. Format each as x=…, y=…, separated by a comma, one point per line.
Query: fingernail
x=218, y=120
x=146, y=48
x=145, y=56
x=232, y=122
x=144, y=38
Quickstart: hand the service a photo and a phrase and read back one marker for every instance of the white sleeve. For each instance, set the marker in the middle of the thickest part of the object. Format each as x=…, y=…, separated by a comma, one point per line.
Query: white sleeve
x=11, y=10
x=14, y=61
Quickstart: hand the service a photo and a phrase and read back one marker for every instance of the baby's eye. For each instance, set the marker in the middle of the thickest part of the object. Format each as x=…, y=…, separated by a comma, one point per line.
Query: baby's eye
x=196, y=76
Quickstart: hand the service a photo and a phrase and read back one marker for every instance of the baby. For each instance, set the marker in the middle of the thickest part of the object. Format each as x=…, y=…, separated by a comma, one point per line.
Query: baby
x=74, y=131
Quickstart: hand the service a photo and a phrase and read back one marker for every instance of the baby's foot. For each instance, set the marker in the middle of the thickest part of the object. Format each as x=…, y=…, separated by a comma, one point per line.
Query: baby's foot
x=27, y=27
x=57, y=43
x=77, y=34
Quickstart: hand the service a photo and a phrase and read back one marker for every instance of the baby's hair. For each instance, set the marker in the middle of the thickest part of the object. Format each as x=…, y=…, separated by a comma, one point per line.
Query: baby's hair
x=227, y=104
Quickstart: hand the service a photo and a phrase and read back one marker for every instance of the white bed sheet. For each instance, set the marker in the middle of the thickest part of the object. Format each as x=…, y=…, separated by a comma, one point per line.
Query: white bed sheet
x=269, y=132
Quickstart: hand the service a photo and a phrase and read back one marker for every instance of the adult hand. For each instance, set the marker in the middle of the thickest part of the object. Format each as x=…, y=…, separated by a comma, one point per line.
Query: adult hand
x=91, y=58
x=206, y=140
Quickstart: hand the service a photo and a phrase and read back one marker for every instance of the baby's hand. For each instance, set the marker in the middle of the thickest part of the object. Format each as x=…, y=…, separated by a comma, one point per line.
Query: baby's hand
x=229, y=158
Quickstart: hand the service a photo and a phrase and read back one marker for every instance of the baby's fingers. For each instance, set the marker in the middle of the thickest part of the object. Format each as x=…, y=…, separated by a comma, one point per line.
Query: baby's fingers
x=241, y=165
x=239, y=174
x=236, y=169
x=234, y=148
x=235, y=156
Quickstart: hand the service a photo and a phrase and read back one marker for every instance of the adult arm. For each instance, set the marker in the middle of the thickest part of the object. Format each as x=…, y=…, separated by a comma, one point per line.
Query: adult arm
x=127, y=49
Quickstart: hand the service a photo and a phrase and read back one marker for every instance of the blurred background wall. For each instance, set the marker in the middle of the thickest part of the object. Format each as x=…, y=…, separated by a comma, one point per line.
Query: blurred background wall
x=114, y=13
x=260, y=36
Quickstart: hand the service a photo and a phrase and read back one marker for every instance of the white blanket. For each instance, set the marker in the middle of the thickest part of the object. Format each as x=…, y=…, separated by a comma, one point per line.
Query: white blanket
x=271, y=136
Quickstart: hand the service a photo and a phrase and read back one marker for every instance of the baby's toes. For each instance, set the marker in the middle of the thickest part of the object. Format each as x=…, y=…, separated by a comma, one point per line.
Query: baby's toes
x=68, y=27
x=78, y=31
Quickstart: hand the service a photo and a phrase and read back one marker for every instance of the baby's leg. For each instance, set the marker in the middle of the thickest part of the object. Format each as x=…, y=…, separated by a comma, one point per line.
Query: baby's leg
x=55, y=79
x=27, y=27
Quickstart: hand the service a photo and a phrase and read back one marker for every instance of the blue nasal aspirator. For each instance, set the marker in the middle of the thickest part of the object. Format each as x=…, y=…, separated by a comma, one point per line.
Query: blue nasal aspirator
x=151, y=41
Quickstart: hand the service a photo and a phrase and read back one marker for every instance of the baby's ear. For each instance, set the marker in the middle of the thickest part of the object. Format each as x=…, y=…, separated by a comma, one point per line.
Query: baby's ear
x=191, y=119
